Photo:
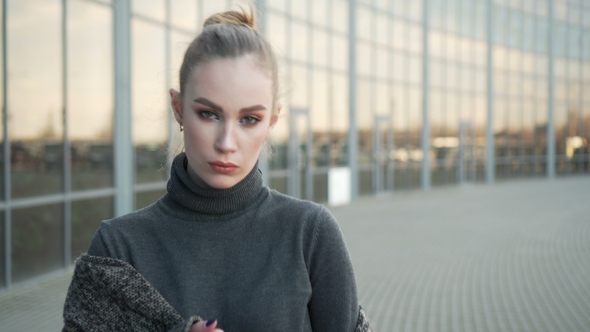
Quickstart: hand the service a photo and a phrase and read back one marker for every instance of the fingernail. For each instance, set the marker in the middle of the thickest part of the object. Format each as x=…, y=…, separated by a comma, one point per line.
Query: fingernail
x=210, y=322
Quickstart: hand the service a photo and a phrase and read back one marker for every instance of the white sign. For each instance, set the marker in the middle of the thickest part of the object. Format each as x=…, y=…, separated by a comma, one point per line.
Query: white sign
x=339, y=186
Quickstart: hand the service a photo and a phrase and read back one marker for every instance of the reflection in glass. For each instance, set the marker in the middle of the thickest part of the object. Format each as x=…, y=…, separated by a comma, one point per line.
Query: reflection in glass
x=86, y=216
x=2, y=252
x=143, y=199
x=90, y=94
x=149, y=101
x=1, y=130
x=34, y=94
x=37, y=241
x=184, y=14
x=154, y=9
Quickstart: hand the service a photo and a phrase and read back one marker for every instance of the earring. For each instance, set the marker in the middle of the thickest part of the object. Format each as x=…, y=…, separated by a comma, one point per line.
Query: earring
x=181, y=128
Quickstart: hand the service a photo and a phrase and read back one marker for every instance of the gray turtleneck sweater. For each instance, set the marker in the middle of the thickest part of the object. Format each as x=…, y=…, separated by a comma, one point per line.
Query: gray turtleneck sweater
x=248, y=256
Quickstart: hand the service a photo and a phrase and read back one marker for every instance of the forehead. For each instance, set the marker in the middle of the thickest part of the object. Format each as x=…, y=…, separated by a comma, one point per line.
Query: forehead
x=237, y=75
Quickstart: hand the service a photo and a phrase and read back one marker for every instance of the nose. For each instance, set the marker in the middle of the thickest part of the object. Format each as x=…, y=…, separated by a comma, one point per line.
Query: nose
x=226, y=141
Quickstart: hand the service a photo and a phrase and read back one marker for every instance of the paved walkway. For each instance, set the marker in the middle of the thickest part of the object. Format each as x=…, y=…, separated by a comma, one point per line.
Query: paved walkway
x=511, y=257
x=514, y=256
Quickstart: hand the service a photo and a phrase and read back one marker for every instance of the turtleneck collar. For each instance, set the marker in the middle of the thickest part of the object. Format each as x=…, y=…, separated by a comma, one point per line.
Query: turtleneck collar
x=209, y=200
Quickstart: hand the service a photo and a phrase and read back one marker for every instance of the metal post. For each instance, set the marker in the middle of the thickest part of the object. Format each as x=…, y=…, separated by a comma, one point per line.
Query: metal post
x=67, y=228
x=124, y=155
x=425, y=136
x=7, y=157
x=551, y=109
x=167, y=84
x=309, y=188
x=490, y=139
x=260, y=7
x=352, y=130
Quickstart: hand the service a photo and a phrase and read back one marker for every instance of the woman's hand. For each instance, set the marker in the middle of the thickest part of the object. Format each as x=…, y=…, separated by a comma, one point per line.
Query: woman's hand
x=205, y=326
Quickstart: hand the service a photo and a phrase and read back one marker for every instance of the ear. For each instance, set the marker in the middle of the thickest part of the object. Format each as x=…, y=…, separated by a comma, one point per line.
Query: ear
x=176, y=104
x=275, y=117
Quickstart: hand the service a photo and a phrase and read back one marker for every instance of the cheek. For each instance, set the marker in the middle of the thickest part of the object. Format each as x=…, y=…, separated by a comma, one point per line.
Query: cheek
x=197, y=137
x=257, y=139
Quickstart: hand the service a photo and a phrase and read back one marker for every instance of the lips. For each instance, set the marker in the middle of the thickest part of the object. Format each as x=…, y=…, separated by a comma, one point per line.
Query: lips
x=223, y=167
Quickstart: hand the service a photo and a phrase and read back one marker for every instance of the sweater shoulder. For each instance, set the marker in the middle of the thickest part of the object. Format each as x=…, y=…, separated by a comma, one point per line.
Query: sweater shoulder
x=290, y=204
x=137, y=217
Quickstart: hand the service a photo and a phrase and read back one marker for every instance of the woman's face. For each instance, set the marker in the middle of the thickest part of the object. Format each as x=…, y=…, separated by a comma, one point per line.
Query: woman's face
x=226, y=112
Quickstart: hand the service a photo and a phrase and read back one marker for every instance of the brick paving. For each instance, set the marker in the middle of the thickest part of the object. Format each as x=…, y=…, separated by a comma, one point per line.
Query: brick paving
x=510, y=257
x=514, y=256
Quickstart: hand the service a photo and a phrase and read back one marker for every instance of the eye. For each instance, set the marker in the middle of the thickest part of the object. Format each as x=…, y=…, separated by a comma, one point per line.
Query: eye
x=208, y=115
x=249, y=120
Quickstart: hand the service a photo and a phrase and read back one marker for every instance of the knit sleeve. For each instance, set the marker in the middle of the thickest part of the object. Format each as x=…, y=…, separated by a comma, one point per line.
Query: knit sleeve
x=333, y=305
x=109, y=295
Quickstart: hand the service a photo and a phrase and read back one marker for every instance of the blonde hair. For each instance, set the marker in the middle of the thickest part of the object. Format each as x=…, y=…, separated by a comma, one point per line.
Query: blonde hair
x=227, y=35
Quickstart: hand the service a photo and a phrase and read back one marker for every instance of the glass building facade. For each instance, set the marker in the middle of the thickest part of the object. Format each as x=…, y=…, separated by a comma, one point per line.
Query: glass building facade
x=403, y=93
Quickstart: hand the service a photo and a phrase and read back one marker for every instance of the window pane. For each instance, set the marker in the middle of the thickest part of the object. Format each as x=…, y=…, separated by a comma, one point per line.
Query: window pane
x=90, y=94
x=1, y=131
x=2, y=252
x=184, y=14
x=37, y=241
x=144, y=199
x=154, y=9
x=299, y=45
x=86, y=216
x=339, y=120
x=35, y=109
x=149, y=101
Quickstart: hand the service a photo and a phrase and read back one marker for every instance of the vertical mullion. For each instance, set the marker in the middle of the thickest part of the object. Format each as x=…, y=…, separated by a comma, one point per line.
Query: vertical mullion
x=260, y=8
x=425, y=177
x=168, y=83
x=581, y=85
x=66, y=141
x=550, y=158
x=309, y=76
x=124, y=154
x=352, y=129
x=7, y=157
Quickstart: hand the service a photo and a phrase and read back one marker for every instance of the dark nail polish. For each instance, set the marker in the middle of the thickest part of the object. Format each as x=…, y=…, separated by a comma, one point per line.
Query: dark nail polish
x=210, y=322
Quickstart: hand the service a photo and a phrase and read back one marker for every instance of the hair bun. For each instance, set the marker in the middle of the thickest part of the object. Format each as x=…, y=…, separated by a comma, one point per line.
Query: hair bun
x=233, y=17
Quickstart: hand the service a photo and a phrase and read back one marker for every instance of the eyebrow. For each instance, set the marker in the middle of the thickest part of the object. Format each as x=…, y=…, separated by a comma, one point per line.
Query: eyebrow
x=209, y=103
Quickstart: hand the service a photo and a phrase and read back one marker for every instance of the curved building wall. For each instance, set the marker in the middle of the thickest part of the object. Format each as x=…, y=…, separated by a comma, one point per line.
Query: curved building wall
x=405, y=94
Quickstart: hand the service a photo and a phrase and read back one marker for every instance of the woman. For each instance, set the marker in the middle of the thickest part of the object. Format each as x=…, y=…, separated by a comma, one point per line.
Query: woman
x=219, y=244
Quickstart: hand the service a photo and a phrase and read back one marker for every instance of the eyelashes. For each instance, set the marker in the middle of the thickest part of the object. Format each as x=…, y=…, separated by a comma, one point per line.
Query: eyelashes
x=248, y=120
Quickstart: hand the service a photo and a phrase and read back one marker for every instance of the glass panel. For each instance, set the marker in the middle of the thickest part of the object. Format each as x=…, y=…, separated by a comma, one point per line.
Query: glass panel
x=154, y=9
x=340, y=15
x=276, y=32
x=35, y=95
x=184, y=14
x=364, y=23
x=340, y=53
x=299, y=45
x=37, y=241
x=146, y=198
x=86, y=216
x=320, y=12
x=149, y=100
x=276, y=4
x=1, y=134
x=2, y=251
x=320, y=45
x=212, y=7
x=320, y=119
x=279, y=184
x=299, y=9
x=339, y=120
x=90, y=94
x=300, y=86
